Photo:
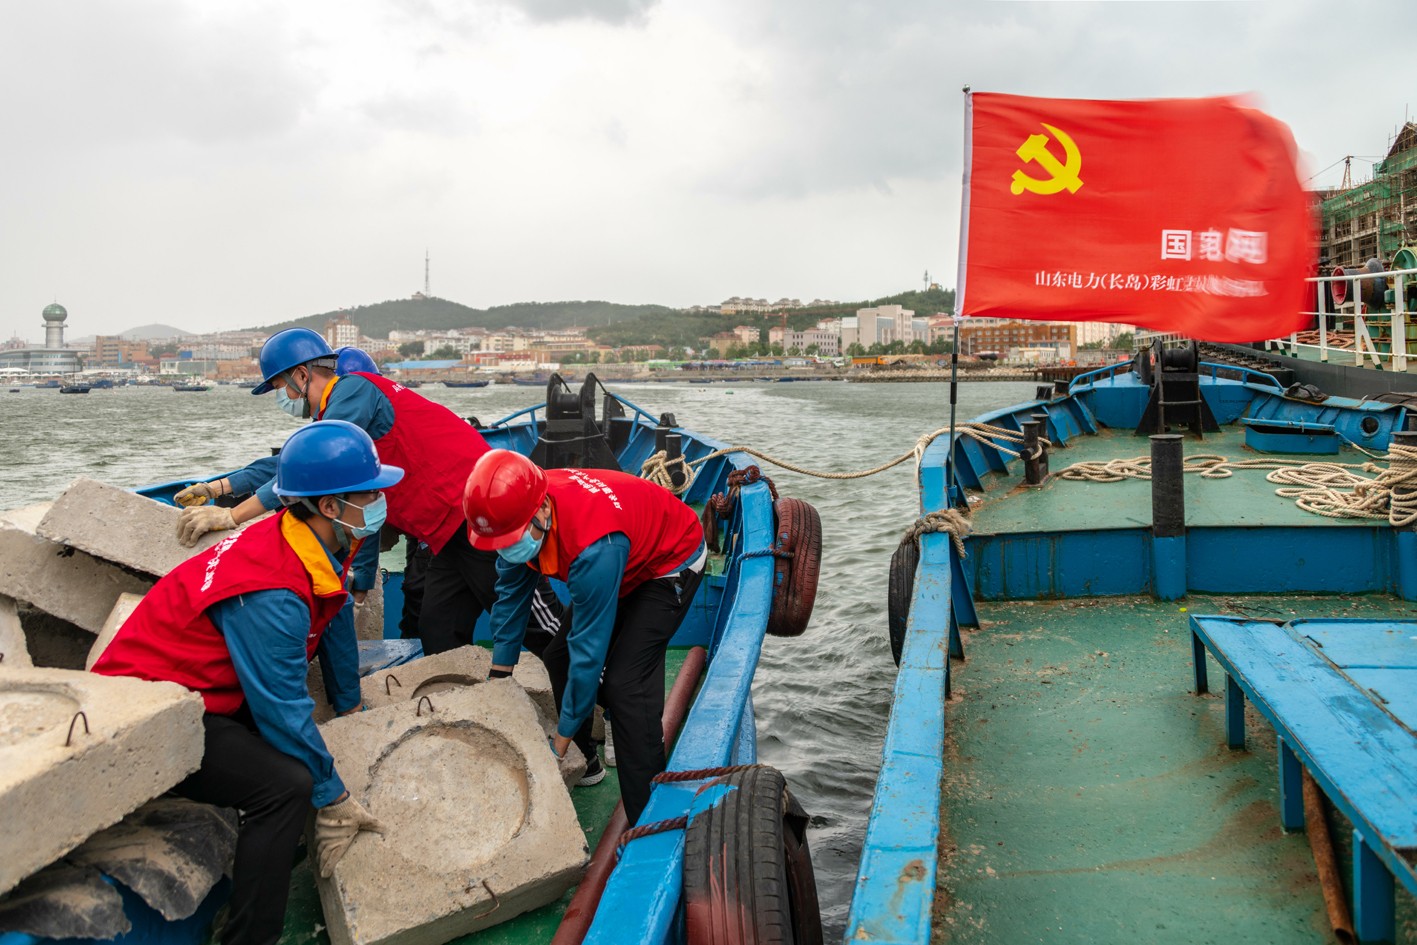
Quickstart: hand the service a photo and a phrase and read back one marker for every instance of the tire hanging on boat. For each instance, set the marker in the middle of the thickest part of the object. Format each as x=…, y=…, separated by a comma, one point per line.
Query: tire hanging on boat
x=748, y=876
x=797, y=554
x=899, y=591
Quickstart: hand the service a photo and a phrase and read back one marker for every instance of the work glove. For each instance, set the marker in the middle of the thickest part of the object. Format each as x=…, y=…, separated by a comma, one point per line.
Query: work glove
x=196, y=522
x=199, y=493
x=335, y=829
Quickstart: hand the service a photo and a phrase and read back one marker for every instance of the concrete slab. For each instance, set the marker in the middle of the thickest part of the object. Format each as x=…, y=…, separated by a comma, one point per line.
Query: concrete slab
x=13, y=651
x=141, y=739
x=369, y=619
x=472, y=802
x=58, y=580
x=462, y=667
x=122, y=610
x=120, y=526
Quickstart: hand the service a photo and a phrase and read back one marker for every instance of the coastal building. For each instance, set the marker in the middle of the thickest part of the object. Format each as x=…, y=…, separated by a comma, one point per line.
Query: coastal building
x=115, y=351
x=747, y=334
x=340, y=332
x=882, y=325
x=828, y=343
x=1375, y=218
x=50, y=358
x=1002, y=336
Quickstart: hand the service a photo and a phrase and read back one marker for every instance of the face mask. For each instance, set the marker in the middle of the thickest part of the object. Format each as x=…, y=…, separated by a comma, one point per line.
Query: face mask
x=374, y=514
x=523, y=550
x=297, y=407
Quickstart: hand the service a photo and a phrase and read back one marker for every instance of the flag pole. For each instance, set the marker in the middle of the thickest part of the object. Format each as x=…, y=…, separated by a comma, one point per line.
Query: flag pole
x=958, y=315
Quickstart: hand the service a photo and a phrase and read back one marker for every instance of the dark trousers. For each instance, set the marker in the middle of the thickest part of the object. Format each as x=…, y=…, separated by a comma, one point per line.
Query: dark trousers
x=632, y=685
x=415, y=565
x=272, y=792
x=461, y=583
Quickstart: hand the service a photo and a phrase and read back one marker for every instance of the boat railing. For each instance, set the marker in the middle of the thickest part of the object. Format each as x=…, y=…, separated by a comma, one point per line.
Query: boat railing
x=530, y=412
x=1111, y=371
x=1352, y=293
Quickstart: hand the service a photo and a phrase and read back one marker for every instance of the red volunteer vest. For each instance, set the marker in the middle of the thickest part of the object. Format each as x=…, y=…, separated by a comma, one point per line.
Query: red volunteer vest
x=436, y=449
x=169, y=636
x=592, y=503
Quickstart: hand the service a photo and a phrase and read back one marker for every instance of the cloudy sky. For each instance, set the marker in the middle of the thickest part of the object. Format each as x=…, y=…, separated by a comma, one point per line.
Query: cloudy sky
x=237, y=163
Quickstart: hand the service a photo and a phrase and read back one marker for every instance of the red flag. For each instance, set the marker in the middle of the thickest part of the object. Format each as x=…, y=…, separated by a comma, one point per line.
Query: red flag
x=1182, y=215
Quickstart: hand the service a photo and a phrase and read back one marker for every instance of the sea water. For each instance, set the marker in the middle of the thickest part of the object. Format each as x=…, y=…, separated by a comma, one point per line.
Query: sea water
x=822, y=699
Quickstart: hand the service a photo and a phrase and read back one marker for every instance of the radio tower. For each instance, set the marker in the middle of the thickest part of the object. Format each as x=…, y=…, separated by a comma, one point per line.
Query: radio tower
x=425, y=275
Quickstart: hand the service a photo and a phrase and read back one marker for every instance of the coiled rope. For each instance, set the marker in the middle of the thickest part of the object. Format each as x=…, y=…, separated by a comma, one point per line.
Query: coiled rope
x=953, y=521
x=1333, y=490
x=657, y=467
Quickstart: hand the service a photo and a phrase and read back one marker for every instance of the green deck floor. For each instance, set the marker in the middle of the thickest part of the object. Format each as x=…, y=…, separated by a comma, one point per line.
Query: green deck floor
x=304, y=921
x=1089, y=796
x=1246, y=498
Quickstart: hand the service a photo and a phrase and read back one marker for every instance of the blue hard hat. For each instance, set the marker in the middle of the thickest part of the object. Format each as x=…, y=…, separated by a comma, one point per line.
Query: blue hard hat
x=354, y=359
x=331, y=457
x=289, y=349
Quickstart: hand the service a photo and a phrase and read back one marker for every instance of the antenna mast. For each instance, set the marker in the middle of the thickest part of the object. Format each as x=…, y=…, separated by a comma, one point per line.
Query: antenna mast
x=425, y=275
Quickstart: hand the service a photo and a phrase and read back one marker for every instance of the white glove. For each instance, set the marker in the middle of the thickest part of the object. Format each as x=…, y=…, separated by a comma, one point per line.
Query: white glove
x=196, y=522
x=199, y=493
x=335, y=829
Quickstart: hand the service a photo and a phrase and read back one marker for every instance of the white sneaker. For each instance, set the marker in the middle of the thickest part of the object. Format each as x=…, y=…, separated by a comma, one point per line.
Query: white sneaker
x=609, y=746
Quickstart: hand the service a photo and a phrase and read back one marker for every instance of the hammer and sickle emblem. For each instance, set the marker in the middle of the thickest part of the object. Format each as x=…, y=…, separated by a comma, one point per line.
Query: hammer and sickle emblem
x=1060, y=175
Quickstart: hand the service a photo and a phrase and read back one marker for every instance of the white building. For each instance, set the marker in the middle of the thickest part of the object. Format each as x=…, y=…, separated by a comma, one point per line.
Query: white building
x=828, y=342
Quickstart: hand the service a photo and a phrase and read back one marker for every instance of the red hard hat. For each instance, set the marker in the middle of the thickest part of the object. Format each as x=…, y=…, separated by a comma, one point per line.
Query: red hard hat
x=503, y=492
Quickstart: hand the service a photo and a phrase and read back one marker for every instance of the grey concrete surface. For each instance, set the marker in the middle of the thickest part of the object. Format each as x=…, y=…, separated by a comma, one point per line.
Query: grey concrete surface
x=369, y=619
x=56, y=579
x=472, y=802
x=122, y=610
x=141, y=738
x=13, y=651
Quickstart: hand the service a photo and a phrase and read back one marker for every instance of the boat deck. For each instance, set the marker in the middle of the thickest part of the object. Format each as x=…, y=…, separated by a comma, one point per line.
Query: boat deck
x=1061, y=505
x=1089, y=795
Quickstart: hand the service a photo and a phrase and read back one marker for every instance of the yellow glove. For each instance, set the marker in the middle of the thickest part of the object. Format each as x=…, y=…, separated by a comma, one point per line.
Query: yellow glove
x=335, y=829
x=199, y=493
x=196, y=522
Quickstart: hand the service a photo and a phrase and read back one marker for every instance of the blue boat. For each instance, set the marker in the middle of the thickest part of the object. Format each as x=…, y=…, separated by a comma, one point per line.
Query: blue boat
x=1100, y=554
x=634, y=888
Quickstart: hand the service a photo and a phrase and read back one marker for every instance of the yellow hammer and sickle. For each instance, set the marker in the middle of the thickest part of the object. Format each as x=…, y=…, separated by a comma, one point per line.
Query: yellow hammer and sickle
x=1060, y=176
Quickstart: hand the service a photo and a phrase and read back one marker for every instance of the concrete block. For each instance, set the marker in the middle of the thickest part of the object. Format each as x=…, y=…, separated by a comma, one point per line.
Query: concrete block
x=472, y=802
x=13, y=652
x=122, y=610
x=56, y=579
x=460, y=668
x=120, y=526
x=369, y=618
x=135, y=740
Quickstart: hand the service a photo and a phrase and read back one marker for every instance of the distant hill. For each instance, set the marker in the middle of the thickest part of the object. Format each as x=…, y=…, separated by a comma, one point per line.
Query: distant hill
x=377, y=320
x=149, y=332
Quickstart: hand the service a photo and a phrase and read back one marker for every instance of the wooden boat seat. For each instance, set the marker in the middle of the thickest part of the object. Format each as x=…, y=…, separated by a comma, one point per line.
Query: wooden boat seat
x=1342, y=697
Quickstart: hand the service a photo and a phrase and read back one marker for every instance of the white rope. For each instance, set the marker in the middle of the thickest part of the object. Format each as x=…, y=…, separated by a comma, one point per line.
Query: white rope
x=953, y=521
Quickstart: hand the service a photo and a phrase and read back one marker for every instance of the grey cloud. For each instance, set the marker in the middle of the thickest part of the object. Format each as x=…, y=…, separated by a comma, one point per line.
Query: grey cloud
x=615, y=12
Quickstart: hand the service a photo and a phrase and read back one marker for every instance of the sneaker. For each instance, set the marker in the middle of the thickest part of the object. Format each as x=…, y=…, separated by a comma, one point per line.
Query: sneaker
x=594, y=773
x=609, y=746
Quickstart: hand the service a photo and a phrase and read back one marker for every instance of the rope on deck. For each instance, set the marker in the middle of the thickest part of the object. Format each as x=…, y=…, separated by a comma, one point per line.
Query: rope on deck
x=953, y=521
x=656, y=467
x=1333, y=490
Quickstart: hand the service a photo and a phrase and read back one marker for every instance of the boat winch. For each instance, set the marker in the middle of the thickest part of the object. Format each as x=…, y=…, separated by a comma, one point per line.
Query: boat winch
x=1174, y=377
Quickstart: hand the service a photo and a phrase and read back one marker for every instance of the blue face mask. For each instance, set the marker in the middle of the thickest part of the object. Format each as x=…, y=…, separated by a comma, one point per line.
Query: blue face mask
x=297, y=407
x=374, y=514
x=523, y=550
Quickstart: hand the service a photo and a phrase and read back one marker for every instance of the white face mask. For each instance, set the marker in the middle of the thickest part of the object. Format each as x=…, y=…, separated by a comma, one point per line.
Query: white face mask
x=297, y=407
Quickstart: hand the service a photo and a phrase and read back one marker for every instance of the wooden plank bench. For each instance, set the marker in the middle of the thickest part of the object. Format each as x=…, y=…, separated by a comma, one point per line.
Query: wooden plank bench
x=1342, y=697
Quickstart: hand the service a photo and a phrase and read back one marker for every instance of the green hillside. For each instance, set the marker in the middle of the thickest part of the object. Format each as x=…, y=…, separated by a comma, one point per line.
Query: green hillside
x=377, y=320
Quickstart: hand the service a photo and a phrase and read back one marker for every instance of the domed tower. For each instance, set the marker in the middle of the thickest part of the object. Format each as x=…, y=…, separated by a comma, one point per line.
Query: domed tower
x=54, y=316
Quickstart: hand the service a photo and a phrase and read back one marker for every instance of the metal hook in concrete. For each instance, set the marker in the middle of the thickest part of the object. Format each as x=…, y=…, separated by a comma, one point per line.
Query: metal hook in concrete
x=77, y=715
x=418, y=712
x=391, y=678
x=496, y=903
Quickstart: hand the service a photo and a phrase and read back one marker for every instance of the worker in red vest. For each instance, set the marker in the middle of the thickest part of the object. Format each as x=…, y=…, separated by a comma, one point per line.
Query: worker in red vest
x=435, y=447
x=632, y=555
x=239, y=624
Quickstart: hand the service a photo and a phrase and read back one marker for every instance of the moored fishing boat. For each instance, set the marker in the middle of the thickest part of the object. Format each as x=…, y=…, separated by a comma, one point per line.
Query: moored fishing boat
x=734, y=606
x=1077, y=778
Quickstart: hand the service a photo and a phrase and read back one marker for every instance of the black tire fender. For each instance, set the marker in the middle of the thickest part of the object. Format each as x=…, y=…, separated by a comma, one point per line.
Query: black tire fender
x=899, y=591
x=748, y=876
x=796, y=566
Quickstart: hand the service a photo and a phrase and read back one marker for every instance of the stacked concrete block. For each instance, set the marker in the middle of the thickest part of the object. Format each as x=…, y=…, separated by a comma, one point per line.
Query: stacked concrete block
x=54, y=643
x=122, y=610
x=369, y=617
x=479, y=826
x=13, y=651
x=56, y=579
x=65, y=775
x=120, y=526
